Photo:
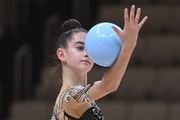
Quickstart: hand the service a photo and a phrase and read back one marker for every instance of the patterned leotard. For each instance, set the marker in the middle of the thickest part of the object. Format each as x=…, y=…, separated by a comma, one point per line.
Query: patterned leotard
x=74, y=103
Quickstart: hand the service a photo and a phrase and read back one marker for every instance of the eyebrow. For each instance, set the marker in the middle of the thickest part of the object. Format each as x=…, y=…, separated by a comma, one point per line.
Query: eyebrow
x=79, y=42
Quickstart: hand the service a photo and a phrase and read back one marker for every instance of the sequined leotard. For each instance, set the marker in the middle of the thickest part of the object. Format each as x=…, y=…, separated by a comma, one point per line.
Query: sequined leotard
x=74, y=103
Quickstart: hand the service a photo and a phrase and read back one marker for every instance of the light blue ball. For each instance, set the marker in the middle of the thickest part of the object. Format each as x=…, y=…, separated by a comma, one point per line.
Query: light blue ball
x=102, y=44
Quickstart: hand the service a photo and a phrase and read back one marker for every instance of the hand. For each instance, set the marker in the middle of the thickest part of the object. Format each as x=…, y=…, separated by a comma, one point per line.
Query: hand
x=131, y=29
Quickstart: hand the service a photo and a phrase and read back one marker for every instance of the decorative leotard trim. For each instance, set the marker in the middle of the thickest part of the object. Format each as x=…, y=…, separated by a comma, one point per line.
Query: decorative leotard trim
x=78, y=92
x=58, y=108
x=74, y=92
x=93, y=113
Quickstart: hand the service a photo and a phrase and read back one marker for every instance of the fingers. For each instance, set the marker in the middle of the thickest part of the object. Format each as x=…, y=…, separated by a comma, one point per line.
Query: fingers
x=133, y=18
x=126, y=18
x=132, y=13
x=137, y=16
x=116, y=30
x=142, y=22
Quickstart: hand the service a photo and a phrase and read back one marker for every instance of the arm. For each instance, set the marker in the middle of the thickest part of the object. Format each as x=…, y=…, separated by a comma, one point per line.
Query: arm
x=112, y=78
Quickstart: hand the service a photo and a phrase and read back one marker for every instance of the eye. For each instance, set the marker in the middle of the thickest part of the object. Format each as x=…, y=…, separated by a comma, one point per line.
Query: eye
x=80, y=48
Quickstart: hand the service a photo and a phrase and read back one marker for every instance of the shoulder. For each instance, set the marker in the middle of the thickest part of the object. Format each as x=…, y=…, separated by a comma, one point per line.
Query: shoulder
x=77, y=93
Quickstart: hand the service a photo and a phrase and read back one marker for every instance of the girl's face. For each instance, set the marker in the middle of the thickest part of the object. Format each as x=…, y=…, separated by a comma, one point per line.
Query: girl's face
x=76, y=56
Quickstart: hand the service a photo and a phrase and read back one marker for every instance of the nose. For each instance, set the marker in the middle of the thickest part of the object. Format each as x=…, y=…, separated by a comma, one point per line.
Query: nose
x=86, y=55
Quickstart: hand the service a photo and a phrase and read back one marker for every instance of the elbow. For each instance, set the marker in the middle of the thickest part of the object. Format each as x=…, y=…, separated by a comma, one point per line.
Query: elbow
x=111, y=88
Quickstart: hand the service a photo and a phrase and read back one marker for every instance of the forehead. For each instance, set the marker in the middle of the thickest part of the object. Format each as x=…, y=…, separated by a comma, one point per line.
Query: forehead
x=80, y=36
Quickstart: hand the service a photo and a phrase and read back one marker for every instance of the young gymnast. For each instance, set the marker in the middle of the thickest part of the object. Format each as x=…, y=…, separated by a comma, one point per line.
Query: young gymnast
x=76, y=100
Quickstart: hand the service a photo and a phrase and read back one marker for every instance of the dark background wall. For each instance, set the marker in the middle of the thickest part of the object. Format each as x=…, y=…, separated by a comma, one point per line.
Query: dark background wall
x=23, y=22
x=35, y=22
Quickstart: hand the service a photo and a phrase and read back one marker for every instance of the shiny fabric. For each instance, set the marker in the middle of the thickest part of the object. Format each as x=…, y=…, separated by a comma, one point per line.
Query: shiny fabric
x=91, y=114
x=76, y=96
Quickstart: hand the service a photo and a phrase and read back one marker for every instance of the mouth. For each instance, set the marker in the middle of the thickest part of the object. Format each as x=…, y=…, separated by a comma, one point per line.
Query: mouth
x=86, y=61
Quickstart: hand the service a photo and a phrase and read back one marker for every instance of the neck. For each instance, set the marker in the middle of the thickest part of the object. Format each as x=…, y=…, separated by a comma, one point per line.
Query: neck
x=73, y=78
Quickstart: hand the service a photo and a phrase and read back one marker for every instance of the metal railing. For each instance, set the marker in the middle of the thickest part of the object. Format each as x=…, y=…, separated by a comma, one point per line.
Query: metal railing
x=48, y=32
x=22, y=74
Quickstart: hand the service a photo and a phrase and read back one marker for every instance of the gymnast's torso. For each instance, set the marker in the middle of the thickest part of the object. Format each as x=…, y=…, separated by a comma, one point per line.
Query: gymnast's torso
x=74, y=103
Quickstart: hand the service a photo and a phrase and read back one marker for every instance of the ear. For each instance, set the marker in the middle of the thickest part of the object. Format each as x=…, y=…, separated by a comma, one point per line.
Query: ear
x=61, y=54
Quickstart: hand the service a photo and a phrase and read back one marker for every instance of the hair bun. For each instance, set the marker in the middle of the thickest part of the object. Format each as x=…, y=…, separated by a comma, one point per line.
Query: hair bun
x=70, y=24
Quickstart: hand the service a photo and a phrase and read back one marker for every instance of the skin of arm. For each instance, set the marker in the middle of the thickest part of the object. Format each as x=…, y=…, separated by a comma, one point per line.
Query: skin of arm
x=112, y=78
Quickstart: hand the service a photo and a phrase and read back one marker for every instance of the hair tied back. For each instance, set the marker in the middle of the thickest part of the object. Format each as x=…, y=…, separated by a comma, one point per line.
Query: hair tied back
x=70, y=24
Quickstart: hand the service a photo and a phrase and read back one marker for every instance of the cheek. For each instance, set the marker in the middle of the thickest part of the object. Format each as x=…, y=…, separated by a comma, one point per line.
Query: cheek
x=73, y=58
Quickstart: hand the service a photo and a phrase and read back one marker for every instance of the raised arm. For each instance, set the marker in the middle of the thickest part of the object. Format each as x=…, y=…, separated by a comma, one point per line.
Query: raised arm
x=112, y=78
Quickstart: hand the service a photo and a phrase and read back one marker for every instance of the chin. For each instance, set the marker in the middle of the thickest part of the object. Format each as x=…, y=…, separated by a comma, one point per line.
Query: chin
x=86, y=69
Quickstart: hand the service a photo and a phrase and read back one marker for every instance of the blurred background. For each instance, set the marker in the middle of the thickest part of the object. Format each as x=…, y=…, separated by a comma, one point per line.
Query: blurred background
x=150, y=88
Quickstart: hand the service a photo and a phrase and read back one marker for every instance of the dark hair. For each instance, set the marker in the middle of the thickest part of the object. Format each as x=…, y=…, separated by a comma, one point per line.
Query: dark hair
x=52, y=67
x=69, y=28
